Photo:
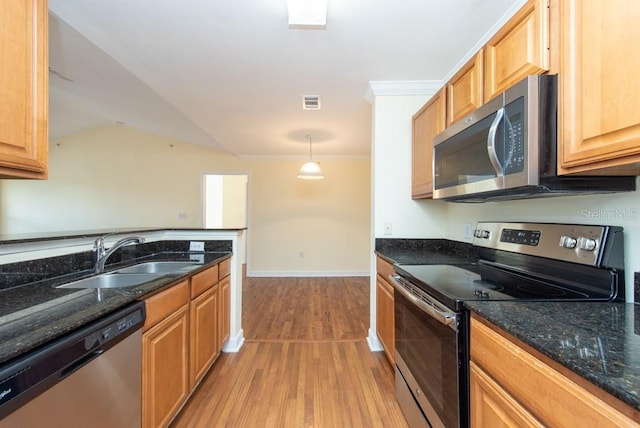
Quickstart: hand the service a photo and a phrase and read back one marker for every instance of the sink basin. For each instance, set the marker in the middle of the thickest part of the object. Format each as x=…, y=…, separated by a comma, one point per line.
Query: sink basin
x=159, y=267
x=112, y=281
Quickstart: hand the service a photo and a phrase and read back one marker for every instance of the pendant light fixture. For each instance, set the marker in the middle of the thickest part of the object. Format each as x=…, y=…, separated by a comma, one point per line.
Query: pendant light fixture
x=310, y=170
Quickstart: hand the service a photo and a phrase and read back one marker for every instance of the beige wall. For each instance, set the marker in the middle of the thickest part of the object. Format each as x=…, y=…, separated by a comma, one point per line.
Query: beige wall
x=118, y=177
x=315, y=222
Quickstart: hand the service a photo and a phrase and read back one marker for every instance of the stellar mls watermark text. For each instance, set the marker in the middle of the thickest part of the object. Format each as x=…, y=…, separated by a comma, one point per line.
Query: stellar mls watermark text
x=616, y=214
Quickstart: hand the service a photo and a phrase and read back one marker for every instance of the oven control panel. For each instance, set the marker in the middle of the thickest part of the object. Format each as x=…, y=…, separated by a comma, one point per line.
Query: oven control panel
x=585, y=244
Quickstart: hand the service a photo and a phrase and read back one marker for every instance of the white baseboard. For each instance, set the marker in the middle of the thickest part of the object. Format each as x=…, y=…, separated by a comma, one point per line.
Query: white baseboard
x=374, y=342
x=234, y=344
x=309, y=274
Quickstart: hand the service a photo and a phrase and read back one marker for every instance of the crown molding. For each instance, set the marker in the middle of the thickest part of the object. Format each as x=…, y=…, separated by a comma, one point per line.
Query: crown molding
x=296, y=158
x=401, y=88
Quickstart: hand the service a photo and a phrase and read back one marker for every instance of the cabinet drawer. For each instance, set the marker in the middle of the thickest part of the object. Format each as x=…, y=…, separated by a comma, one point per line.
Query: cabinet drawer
x=550, y=396
x=204, y=280
x=384, y=268
x=162, y=304
x=224, y=268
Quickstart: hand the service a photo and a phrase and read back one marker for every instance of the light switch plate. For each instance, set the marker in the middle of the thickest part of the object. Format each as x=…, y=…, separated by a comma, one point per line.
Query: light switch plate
x=196, y=246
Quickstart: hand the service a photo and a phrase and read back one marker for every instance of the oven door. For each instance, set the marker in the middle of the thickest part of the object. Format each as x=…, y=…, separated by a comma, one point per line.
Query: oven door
x=429, y=356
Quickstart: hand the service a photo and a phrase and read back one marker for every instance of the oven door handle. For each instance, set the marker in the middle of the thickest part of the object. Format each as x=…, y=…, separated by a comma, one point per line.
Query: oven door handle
x=429, y=305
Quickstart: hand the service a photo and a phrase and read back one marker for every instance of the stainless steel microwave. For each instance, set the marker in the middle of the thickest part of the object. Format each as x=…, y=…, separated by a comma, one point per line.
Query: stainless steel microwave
x=506, y=149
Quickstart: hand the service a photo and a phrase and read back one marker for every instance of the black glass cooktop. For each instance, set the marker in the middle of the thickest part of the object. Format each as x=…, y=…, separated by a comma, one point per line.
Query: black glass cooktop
x=453, y=285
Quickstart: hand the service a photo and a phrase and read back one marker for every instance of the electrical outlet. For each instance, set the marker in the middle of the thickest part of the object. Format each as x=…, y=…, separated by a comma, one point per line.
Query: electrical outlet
x=467, y=231
x=196, y=246
x=387, y=228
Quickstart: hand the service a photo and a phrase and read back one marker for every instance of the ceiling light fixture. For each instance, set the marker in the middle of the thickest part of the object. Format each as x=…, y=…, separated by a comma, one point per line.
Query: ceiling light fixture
x=311, y=14
x=310, y=170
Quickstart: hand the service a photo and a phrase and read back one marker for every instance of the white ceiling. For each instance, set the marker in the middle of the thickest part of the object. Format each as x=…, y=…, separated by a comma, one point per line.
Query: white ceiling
x=230, y=74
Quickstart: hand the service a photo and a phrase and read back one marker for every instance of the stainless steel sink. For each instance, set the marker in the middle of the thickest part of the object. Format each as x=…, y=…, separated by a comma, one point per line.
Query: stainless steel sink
x=159, y=267
x=111, y=280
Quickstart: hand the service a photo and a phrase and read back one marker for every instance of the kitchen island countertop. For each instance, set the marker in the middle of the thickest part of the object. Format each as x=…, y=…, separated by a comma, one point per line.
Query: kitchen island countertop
x=36, y=313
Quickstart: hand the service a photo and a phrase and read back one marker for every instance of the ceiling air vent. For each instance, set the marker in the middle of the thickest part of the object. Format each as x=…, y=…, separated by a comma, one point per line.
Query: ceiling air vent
x=311, y=102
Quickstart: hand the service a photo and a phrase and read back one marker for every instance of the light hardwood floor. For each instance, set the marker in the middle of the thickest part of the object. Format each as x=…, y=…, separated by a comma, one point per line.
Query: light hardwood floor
x=305, y=362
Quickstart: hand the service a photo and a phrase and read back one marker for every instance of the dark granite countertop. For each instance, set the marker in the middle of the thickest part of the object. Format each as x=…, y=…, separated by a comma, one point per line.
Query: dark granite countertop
x=598, y=341
x=35, y=313
x=425, y=251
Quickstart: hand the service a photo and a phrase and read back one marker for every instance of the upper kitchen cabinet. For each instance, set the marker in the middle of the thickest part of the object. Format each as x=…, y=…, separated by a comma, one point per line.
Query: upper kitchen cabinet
x=23, y=89
x=464, y=90
x=427, y=123
x=519, y=49
x=599, y=83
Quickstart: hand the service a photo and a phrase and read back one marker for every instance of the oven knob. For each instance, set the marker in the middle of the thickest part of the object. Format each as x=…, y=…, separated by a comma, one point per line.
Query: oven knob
x=567, y=241
x=586, y=244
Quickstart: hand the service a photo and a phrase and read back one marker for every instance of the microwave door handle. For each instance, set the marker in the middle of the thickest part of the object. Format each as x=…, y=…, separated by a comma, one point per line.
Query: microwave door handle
x=491, y=143
x=429, y=306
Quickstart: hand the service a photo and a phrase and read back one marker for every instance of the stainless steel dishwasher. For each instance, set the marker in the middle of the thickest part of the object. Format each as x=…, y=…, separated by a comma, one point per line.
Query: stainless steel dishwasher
x=89, y=378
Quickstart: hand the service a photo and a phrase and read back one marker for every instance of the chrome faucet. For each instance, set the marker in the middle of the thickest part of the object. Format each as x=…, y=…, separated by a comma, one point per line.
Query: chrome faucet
x=102, y=255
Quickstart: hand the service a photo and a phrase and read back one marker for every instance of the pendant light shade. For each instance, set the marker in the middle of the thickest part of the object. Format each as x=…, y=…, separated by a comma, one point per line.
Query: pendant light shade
x=310, y=170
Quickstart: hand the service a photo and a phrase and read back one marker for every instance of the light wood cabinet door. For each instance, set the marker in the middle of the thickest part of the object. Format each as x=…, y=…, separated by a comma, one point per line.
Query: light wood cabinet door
x=23, y=89
x=464, y=90
x=385, y=318
x=203, y=345
x=520, y=48
x=492, y=406
x=165, y=369
x=551, y=396
x=599, y=83
x=224, y=312
x=428, y=122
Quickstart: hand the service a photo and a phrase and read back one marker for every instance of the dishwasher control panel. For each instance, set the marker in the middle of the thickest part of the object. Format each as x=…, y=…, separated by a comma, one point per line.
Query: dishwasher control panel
x=104, y=335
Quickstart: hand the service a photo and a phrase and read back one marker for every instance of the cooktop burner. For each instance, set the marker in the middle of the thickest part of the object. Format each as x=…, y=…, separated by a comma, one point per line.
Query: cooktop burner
x=541, y=290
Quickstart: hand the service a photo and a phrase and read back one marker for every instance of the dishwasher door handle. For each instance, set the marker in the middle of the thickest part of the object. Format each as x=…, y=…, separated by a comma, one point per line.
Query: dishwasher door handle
x=80, y=362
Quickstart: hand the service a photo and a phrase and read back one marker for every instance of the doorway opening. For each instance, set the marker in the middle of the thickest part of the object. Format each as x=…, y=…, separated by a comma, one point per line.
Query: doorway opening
x=225, y=201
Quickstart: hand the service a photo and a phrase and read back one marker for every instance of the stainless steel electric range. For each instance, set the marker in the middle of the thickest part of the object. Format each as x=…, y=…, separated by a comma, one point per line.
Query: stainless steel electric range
x=517, y=261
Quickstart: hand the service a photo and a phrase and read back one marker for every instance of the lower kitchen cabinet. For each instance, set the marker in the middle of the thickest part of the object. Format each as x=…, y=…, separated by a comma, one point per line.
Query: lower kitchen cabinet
x=185, y=328
x=385, y=324
x=204, y=336
x=513, y=386
x=165, y=355
x=492, y=406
